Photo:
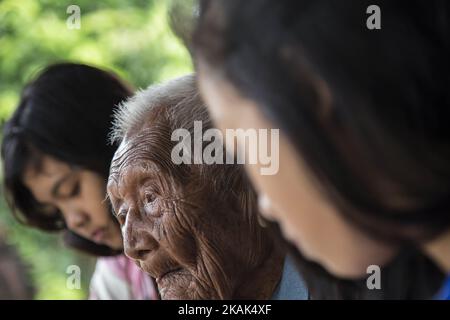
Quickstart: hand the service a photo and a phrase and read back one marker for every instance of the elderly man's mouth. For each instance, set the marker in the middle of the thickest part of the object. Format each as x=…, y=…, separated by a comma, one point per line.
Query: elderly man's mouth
x=167, y=274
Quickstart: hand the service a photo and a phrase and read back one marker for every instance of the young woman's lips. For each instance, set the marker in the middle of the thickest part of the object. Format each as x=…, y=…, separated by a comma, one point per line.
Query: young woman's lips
x=99, y=235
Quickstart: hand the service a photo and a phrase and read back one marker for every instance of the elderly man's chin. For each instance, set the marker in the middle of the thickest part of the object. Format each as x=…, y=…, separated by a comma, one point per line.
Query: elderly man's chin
x=177, y=285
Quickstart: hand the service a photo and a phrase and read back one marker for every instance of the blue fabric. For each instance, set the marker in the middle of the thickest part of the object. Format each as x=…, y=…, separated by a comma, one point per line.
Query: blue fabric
x=444, y=294
x=291, y=286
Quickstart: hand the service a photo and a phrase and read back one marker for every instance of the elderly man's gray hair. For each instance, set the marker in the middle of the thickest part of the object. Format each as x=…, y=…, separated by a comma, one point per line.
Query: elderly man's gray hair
x=180, y=97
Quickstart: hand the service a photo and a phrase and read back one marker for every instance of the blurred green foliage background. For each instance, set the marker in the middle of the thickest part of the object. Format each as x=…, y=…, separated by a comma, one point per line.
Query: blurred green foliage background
x=132, y=38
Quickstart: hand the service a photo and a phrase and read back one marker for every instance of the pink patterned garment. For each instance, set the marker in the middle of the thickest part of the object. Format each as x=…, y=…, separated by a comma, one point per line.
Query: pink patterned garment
x=119, y=278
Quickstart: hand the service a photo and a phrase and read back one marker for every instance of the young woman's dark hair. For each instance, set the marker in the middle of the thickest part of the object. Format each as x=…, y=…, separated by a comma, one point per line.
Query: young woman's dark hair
x=385, y=136
x=66, y=112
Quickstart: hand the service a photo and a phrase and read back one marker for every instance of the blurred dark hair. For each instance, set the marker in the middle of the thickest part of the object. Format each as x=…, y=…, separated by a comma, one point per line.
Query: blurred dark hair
x=380, y=148
x=15, y=279
x=66, y=112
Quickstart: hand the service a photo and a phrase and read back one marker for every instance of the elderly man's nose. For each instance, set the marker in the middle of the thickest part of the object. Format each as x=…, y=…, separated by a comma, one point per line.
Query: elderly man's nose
x=137, y=243
x=139, y=247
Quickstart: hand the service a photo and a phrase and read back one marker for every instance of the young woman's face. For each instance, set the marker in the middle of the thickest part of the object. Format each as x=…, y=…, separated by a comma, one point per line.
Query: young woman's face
x=290, y=196
x=79, y=195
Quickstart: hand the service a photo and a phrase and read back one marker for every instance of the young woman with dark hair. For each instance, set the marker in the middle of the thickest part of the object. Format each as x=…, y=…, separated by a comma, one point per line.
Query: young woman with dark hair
x=363, y=118
x=56, y=159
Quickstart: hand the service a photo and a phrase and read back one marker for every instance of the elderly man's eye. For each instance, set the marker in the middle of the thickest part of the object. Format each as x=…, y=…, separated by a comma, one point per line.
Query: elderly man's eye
x=149, y=198
x=150, y=205
x=121, y=216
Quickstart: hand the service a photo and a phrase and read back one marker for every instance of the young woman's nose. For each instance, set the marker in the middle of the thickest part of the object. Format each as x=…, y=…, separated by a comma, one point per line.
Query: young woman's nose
x=137, y=241
x=75, y=219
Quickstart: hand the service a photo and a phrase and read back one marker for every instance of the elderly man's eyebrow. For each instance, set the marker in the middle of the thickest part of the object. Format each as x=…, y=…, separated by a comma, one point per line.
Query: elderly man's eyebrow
x=134, y=175
x=138, y=176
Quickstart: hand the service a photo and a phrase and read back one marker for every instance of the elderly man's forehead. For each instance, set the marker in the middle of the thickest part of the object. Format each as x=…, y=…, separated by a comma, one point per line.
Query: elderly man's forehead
x=131, y=149
x=131, y=157
x=134, y=176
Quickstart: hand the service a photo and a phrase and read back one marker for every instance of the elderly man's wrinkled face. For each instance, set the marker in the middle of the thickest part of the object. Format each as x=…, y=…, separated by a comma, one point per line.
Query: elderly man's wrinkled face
x=178, y=234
